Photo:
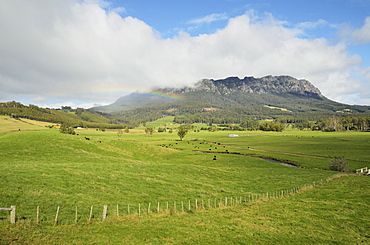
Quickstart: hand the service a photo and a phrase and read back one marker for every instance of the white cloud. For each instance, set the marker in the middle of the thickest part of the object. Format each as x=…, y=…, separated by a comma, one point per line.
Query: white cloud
x=73, y=50
x=209, y=18
x=356, y=35
x=73, y=105
x=315, y=24
x=362, y=35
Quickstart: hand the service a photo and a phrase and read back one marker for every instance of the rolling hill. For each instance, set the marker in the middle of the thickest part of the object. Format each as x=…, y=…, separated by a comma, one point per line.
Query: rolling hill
x=75, y=117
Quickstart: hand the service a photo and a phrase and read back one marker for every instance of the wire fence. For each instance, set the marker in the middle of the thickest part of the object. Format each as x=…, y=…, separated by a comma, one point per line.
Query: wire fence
x=100, y=213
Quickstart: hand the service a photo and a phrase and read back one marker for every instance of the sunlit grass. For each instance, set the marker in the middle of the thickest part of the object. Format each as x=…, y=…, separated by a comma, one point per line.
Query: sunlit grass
x=47, y=169
x=332, y=213
x=9, y=124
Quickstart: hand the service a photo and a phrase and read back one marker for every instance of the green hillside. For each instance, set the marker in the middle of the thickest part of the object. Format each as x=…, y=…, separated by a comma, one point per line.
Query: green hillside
x=44, y=169
x=75, y=117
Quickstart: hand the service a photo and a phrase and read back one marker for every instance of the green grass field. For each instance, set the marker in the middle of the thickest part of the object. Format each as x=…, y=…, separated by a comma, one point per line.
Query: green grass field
x=8, y=124
x=333, y=213
x=46, y=169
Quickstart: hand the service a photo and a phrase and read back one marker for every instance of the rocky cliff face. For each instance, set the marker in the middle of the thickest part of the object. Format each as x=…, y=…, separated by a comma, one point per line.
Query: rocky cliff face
x=264, y=85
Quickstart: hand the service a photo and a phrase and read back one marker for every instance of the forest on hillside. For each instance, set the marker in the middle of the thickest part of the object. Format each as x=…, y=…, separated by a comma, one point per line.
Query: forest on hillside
x=75, y=117
x=189, y=112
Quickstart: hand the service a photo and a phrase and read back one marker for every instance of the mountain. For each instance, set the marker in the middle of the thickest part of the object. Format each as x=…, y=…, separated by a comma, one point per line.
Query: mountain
x=223, y=101
x=232, y=91
x=251, y=85
x=231, y=100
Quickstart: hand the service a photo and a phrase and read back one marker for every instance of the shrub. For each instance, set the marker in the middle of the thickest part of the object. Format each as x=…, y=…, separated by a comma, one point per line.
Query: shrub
x=66, y=129
x=338, y=164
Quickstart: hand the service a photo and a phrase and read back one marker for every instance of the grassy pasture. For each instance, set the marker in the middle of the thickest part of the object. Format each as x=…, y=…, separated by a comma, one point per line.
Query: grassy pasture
x=306, y=148
x=333, y=213
x=8, y=124
x=168, y=121
x=310, y=149
x=48, y=169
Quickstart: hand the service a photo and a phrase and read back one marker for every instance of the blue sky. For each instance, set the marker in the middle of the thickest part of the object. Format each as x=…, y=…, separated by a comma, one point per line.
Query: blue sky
x=86, y=52
x=169, y=16
x=325, y=16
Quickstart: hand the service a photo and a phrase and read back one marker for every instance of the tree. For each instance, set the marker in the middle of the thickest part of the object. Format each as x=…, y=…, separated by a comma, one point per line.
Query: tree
x=149, y=130
x=338, y=164
x=212, y=128
x=66, y=129
x=250, y=124
x=182, y=131
x=66, y=108
x=126, y=130
x=119, y=133
x=272, y=126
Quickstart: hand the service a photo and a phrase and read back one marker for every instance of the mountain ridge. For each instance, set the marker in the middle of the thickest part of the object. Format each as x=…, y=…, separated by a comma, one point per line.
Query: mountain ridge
x=232, y=91
x=264, y=85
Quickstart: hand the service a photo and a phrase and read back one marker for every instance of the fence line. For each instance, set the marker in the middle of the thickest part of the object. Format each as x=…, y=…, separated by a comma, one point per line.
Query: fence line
x=172, y=207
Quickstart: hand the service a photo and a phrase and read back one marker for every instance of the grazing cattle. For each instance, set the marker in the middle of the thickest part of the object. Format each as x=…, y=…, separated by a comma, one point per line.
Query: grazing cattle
x=87, y=138
x=99, y=141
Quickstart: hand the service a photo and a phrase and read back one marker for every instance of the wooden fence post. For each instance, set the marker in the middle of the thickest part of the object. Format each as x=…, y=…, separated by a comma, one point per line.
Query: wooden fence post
x=37, y=214
x=91, y=210
x=105, y=208
x=76, y=217
x=12, y=214
x=56, y=216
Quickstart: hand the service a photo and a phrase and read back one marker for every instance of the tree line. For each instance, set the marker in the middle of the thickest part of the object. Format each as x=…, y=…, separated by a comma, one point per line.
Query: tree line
x=331, y=124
